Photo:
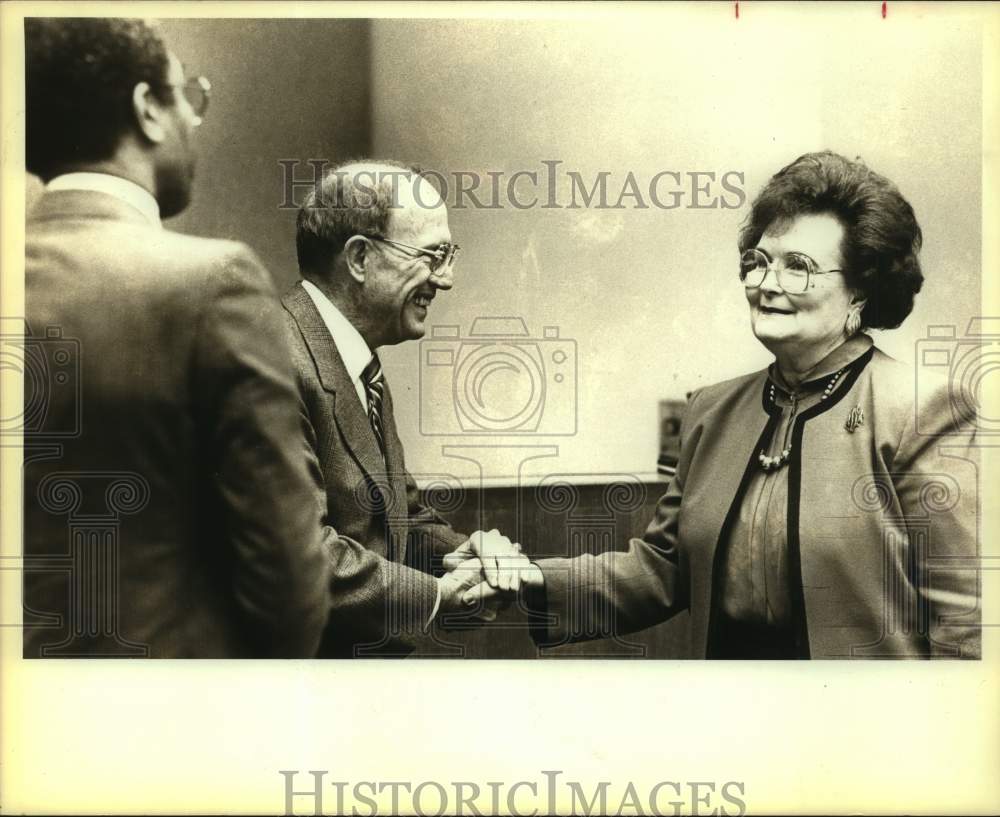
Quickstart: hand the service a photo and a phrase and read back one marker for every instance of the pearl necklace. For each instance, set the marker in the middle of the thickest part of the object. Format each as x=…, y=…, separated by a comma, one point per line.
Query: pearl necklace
x=769, y=463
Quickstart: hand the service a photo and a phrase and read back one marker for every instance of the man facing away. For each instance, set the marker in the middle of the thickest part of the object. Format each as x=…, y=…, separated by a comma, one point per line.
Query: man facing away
x=167, y=510
x=374, y=249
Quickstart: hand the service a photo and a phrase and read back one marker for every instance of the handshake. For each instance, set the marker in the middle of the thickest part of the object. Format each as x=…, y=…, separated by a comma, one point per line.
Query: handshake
x=484, y=575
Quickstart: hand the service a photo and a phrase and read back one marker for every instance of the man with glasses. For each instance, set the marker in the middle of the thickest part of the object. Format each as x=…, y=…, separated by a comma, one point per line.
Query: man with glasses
x=166, y=514
x=374, y=250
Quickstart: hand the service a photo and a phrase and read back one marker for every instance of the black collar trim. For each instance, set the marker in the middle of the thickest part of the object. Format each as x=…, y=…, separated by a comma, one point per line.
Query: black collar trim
x=853, y=371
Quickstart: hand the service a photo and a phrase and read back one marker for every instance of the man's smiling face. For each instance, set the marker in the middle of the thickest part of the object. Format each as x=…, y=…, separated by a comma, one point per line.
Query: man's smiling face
x=401, y=286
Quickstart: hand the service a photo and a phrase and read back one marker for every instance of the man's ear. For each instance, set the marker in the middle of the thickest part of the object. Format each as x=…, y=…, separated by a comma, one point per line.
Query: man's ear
x=357, y=257
x=148, y=113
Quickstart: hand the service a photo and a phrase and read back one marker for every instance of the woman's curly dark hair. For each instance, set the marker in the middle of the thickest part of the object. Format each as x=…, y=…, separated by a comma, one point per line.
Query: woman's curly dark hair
x=881, y=234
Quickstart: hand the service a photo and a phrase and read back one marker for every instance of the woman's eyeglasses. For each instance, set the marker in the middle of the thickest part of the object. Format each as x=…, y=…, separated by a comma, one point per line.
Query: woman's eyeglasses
x=794, y=273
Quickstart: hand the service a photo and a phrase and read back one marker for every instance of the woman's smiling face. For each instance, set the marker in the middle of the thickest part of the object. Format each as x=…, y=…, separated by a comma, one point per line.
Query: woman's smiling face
x=810, y=324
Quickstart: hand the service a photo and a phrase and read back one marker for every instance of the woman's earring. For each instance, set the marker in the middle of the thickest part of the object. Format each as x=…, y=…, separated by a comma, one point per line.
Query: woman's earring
x=853, y=324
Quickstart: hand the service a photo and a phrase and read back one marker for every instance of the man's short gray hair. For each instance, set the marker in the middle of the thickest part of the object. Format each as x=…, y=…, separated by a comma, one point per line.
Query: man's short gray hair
x=354, y=198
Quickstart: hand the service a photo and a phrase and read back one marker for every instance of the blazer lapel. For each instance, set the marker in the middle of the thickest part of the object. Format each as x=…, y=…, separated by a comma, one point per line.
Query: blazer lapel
x=399, y=510
x=351, y=418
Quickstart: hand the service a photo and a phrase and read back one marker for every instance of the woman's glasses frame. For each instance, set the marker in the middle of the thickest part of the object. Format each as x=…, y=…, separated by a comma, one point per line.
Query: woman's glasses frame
x=755, y=264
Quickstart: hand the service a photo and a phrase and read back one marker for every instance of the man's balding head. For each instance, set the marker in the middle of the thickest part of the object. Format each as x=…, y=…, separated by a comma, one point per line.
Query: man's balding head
x=374, y=237
x=368, y=198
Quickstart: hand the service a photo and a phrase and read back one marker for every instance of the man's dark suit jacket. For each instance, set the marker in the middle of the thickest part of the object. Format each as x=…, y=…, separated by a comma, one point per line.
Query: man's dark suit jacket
x=388, y=543
x=167, y=510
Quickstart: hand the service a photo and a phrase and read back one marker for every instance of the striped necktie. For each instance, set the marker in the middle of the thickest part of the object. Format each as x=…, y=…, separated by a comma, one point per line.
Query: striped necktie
x=375, y=389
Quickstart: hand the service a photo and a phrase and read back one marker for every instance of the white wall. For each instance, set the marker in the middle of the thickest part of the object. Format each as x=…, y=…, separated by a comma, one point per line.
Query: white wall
x=651, y=296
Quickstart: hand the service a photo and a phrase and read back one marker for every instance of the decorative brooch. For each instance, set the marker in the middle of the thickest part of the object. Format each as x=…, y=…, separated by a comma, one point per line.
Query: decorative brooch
x=855, y=419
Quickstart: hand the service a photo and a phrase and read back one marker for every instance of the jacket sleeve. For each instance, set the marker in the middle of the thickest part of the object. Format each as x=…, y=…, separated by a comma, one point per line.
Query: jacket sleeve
x=936, y=478
x=246, y=406
x=368, y=592
x=430, y=537
x=616, y=593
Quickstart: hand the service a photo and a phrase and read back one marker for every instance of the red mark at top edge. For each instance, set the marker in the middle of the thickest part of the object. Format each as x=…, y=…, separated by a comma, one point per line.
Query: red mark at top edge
x=883, y=9
x=737, y=9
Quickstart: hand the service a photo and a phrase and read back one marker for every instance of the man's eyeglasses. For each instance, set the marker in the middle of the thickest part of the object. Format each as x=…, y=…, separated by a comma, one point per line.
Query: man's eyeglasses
x=196, y=91
x=794, y=273
x=441, y=257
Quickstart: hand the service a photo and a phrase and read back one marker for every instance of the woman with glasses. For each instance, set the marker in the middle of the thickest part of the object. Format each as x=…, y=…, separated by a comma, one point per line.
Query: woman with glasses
x=824, y=507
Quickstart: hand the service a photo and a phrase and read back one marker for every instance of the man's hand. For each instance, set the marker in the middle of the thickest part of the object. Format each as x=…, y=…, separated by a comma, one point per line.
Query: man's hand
x=455, y=584
x=484, y=594
x=502, y=560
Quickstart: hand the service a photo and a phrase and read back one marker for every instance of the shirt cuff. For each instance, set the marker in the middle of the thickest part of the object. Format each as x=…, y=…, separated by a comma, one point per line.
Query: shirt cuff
x=437, y=604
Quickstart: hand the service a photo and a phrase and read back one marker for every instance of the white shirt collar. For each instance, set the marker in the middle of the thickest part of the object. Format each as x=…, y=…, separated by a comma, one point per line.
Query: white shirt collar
x=122, y=189
x=352, y=347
